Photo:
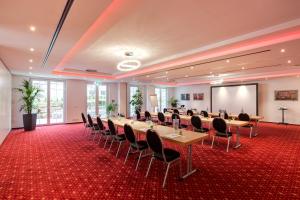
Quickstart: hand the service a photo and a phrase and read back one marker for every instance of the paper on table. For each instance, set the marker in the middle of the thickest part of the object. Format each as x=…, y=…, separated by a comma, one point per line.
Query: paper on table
x=172, y=135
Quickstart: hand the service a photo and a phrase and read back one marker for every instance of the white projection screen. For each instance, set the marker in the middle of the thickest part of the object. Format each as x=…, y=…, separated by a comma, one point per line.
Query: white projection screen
x=235, y=98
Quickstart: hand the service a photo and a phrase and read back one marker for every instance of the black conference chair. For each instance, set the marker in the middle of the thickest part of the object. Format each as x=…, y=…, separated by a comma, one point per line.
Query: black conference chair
x=225, y=115
x=220, y=126
x=102, y=130
x=162, y=119
x=115, y=137
x=93, y=126
x=138, y=115
x=197, y=125
x=166, y=155
x=246, y=117
x=147, y=115
x=176, y=116
x=135, y=145
x=165, y=110
x=204, y=113
x=85, y=124
x=176, y=111
x=190, y=112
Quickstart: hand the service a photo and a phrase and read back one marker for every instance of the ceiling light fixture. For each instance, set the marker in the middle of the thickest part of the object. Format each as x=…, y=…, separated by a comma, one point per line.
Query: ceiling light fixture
x=128, y=65
x=192, y=67
x=243, y=68
x=217, y=82
x=186, y=76
x=30, y=68
x=227, y=60
x=289, y=61
x=147, y=76
x=282, y=50
x=32, y=28
x=31, y=49
x=30, y=60
x=167, y=72
x=210, y=72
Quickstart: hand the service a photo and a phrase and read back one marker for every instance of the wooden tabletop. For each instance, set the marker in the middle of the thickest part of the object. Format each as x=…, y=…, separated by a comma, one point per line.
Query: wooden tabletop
x=208, y=120
x=168, y=133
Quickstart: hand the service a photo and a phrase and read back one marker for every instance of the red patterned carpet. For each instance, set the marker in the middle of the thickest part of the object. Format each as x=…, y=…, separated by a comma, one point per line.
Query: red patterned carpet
x=58, y=162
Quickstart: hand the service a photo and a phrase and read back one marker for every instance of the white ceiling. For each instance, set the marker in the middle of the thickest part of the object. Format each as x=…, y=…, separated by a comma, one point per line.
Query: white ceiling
x=96, y=34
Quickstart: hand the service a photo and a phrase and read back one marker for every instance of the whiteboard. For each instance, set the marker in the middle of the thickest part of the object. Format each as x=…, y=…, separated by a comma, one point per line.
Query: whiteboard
x=235, y=98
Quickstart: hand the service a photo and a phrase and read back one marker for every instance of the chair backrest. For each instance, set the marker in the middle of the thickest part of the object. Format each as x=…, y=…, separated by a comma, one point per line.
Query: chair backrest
x=219, y=125
x=165, y=110
x=190, y=112
x=90, y=120
x=129, y=134
x=196, y=122
x=100, y=124
x=176, y=111
x=147, y=115
x=83, y=118
x=204, y=113
x=226, y=116
x=176, y=116
x=161, y=117
x=112, y=128
x=138, y=114
x=244, y=117
x=155, y=143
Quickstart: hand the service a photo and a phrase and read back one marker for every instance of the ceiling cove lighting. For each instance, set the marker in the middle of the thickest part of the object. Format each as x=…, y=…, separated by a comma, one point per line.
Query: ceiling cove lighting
x=128, y=65
x=217, y=82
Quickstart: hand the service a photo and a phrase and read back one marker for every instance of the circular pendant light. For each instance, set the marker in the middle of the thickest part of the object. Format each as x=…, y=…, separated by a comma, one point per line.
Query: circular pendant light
x=128, y=65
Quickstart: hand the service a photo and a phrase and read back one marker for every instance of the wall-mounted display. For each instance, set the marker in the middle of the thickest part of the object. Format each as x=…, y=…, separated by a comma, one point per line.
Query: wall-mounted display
x=185, y=97
x=198, y=96
x=286, y=95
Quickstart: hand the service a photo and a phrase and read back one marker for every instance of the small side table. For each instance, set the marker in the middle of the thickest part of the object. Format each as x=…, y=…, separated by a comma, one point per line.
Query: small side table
x=282, y=114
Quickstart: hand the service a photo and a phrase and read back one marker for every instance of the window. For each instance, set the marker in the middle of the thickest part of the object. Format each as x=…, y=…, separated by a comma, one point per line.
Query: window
x=132, y=91
x=51, y=102
x=96, y=100
x=161, y=98
x=91, y=99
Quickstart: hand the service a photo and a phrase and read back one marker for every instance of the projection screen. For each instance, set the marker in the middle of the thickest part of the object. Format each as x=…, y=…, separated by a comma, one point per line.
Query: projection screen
x=235, y=98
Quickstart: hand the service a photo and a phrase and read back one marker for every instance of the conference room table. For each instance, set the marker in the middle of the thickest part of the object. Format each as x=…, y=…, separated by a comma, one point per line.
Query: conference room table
x=181, y=137
x=231, y=123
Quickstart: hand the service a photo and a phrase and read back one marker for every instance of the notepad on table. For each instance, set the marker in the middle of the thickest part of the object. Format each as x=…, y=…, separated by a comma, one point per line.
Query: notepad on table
x=172, y=135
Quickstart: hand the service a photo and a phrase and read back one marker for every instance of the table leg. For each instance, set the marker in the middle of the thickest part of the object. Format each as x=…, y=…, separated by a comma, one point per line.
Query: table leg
x=256, y=127
x=189, y=158
x=238, y=144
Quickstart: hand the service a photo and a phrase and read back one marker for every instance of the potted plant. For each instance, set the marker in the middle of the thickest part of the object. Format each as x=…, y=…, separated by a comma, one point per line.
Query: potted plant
x=137, y=101
x=173, y=102
x=29, y=98
x=111, y=108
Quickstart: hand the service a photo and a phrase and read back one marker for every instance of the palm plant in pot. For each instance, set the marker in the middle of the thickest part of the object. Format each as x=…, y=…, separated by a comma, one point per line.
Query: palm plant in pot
x=173, y=101
x=137, y=100
x=111, y=108
x=29, y=99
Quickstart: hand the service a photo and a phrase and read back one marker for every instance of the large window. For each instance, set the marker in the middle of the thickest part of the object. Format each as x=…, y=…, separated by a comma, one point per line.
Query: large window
x=132, y=91
x=161, y=98
x=96, y=100
x=51, y=101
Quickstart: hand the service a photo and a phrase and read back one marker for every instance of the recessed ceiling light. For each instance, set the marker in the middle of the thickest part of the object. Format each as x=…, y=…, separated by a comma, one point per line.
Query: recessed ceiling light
x=147, y=76
x=227, y=60
x=210, y=72
x=282, y=50
x=243, y=68
x=186, y=76
x=31, y=49
x=167, y=72
x=30, y=68
x=30, y=60
x=32, y=28
x=289, y=61
x=192, y=67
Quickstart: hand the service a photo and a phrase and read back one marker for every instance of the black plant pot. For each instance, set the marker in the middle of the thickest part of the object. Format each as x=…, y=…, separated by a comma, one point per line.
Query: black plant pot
x=29, y=121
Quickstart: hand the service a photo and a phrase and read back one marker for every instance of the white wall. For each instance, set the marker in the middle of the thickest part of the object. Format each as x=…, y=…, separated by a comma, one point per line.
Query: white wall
x=5, y=102
x=267, y=106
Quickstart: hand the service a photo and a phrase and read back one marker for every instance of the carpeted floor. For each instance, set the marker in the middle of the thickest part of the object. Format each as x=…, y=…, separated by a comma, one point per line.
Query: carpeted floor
x=58, y=162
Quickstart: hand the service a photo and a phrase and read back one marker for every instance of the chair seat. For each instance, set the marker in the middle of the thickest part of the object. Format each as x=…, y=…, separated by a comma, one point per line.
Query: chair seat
x=167, y=123
x=170, y=155
x=141, y=145
x=229, y=134
x=120, y=137
x=105, y=132
x=183, y=126
x=248, y=126
x=203, y=130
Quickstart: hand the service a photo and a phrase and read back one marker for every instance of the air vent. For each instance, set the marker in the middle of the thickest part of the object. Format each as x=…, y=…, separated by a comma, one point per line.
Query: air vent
x=91, y=70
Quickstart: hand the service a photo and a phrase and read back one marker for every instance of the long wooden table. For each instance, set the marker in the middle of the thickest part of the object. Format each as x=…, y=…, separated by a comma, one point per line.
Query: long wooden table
x=186, y=138
x=231, y=123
